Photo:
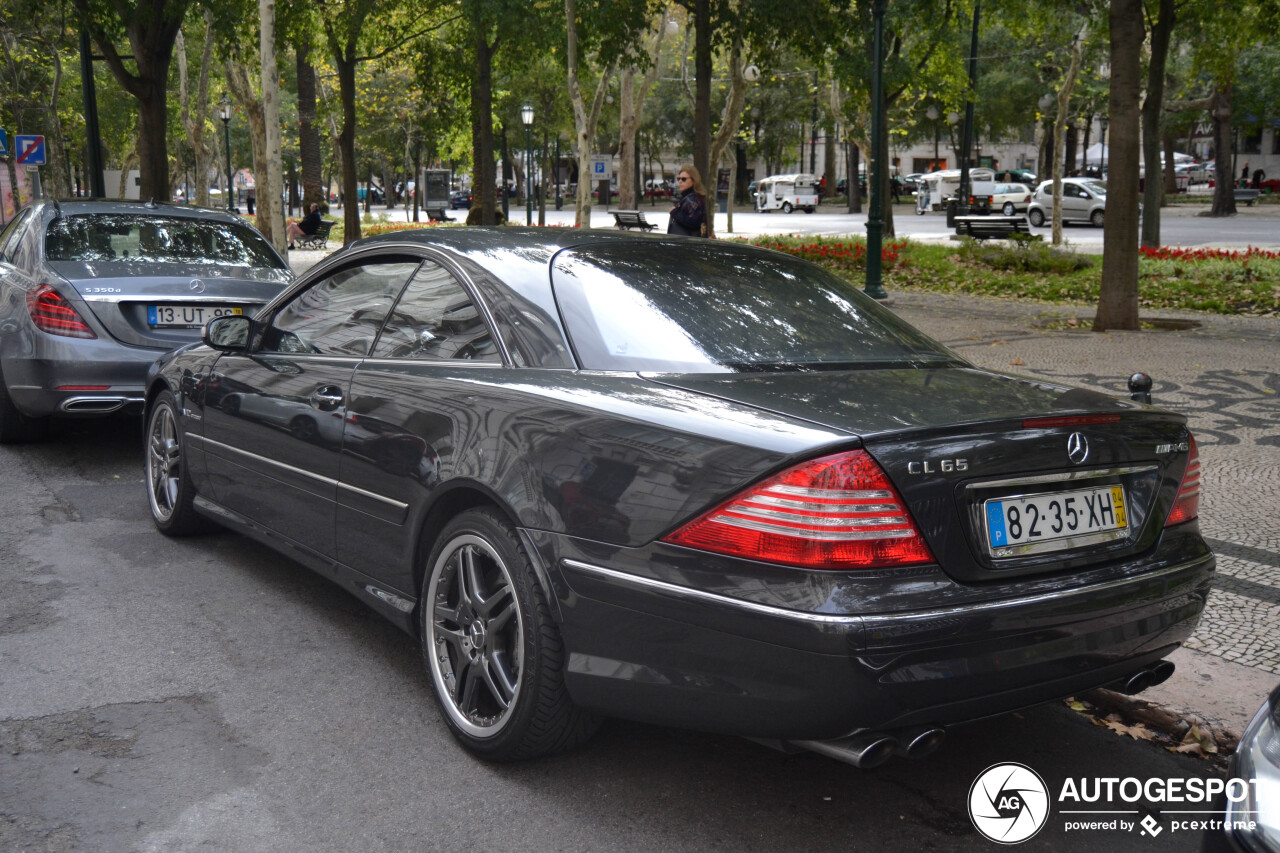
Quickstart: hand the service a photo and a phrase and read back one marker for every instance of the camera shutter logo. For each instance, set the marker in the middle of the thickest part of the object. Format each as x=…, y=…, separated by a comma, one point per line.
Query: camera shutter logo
x=1009, y=803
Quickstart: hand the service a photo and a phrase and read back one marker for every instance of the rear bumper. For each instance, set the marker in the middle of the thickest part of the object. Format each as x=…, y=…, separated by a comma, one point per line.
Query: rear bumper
x=672, y=654
x=88, y=378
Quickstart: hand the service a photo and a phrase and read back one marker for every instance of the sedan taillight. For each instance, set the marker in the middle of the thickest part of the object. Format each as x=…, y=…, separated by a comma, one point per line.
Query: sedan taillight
x=53, y=314
x=1187, y=505
x=836, y=512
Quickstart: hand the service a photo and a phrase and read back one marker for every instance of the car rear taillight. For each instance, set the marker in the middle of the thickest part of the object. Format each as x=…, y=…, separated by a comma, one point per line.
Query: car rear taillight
x=1187, y=505
x=53, y=314
x=836, y=512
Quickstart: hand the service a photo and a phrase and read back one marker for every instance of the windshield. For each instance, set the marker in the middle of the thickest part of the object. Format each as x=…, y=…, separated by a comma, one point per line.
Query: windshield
x=648, y=306
x=1096, y=187
x=157, y=239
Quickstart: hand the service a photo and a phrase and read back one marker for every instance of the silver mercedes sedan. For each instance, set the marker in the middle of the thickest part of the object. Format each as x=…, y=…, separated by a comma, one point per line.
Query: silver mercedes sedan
x=91, y=292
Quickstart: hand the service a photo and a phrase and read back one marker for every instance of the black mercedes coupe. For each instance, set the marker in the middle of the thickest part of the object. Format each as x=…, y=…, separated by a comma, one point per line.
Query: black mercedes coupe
x=686, y=482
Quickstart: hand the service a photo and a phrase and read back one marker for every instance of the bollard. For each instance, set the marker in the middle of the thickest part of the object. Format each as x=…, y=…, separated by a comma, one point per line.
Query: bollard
x=1140, y=388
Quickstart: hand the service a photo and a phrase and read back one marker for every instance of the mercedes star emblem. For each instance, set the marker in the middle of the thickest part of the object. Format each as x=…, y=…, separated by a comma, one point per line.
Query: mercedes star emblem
x=1077, y=448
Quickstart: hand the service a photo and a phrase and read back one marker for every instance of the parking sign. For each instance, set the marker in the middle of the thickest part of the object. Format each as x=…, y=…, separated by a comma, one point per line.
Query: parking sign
x=4, y=144
x=30, y=150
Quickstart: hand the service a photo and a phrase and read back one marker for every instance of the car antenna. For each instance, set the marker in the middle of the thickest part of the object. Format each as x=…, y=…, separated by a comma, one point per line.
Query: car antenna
x=57, y=210
x=151, y=203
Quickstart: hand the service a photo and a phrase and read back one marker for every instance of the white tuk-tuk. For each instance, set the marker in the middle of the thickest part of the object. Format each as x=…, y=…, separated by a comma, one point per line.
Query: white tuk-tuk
x=786, y=193
x=936, y=187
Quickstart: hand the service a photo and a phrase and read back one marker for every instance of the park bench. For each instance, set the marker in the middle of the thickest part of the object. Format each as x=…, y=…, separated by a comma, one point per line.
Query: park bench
x=628, y=219
x=987, y=227
x=1247, y=196
x=438, y=214
x=318, y=240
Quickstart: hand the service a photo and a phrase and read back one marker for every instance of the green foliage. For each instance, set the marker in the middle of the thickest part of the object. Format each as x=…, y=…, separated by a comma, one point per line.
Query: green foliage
x=1023, y=255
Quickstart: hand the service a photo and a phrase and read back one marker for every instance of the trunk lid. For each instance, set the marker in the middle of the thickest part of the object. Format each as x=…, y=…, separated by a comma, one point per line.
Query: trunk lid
x=122, y=294
x=962, y=445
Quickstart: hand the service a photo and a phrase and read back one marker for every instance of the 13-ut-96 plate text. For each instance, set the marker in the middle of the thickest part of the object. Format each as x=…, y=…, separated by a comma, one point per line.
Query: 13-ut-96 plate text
x=1060, y=515
x=187, y=315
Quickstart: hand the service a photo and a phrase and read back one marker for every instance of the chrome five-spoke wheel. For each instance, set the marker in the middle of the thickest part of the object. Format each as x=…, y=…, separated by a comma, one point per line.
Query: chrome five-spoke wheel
x=169, y=489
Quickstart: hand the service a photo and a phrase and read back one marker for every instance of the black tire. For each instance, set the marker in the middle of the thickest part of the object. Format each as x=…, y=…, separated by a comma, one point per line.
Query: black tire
x=1097, y=218
x=16, y=427
x=1009, y=209
x=1036, y=218
x=493, y=652
x=304, y=428
x=810, y=209
x=169, y=489
x=786, y=207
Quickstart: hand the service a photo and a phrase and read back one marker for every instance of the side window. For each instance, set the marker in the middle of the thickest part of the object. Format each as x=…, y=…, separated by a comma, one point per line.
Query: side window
x=340, y=314
x=1073, y=191
x=436, y=320
x=1047, y=189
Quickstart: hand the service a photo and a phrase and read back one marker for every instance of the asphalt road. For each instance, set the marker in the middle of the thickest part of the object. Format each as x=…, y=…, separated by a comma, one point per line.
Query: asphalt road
x=173, y=695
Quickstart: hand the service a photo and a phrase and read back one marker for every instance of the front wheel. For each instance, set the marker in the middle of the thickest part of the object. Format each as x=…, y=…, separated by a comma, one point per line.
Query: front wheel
x=1008, y=208
x=1036, y=218
x=169, y=489
x=786, y=207
x=494, y=653
x=1097, y=218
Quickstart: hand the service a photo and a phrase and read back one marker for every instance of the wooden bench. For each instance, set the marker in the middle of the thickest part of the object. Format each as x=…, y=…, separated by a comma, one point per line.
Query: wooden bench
x=987, y=227
x=439, y=214
x=628, y=219
x=1247, y=196
x=318, y=240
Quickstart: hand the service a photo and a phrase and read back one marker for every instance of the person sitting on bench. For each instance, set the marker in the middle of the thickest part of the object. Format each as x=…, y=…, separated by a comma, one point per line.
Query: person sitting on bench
x=308, y=226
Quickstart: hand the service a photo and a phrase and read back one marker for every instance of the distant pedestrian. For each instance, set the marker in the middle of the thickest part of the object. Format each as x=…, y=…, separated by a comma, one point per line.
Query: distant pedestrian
x=689, y=216
x=308, y=226
x=249, y=201
x=1244, y=176
x=896, y=186
x=1258, y=177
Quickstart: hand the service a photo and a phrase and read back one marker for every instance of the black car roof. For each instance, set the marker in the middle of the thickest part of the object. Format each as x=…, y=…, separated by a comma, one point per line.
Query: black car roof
x=81, y=207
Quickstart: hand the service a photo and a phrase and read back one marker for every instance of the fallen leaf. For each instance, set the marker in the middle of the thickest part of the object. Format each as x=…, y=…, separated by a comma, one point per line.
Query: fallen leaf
x=1017, y=361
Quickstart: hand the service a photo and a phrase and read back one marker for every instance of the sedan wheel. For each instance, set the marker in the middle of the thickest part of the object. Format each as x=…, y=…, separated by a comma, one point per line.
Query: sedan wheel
x=1008, y=208
x=494, y=653
x=1097, y=218
x=1036, y=218
x=169, y=491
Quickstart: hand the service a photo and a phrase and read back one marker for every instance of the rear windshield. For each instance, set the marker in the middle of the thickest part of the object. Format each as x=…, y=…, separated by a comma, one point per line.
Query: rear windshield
x=648, y=306
x=159, y=239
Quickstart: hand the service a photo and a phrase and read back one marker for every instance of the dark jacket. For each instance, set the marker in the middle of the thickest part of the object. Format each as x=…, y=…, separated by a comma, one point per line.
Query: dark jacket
x=310, y=223
x=689, y=215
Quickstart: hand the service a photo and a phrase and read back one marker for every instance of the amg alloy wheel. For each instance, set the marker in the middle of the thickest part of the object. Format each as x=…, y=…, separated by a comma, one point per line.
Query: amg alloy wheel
x=169, y=489
x=494, y=653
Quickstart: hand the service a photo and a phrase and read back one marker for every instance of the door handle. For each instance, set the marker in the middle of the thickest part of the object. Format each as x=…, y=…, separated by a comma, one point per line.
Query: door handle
x=326, y=398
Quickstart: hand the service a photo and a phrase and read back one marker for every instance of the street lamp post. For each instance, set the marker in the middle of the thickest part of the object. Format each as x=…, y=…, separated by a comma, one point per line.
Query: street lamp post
x=225, y=115
x=1103, y=122
x=875, y=223
x=933, y=115
x=526, y=115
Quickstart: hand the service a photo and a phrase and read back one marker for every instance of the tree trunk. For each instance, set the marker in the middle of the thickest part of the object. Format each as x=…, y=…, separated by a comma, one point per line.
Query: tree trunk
x=584, y=119
x=1152, y=194
x=730, y=119
x=628, y=192
x=59, y=178
x=702, y=69
x=346, y=66
x=313, y=191
x=249, y=99
x=194, y=112
x=1118, y=304
x=269, y=192
x=1224, y=197
x=482, y=131
x=1060, y=126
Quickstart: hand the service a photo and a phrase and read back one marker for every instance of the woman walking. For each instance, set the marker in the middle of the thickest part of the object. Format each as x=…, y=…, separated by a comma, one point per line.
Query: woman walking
x=689, y=216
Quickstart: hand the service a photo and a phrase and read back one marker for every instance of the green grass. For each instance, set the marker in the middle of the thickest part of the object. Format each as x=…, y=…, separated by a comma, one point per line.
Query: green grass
x=1218, y=282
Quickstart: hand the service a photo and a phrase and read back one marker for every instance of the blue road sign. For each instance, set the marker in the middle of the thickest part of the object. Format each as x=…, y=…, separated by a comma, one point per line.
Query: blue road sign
x=4, y=144
x=30, y=150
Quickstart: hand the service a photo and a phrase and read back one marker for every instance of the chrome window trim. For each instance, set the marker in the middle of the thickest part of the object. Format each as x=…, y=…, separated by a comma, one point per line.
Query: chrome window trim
x=875, y=620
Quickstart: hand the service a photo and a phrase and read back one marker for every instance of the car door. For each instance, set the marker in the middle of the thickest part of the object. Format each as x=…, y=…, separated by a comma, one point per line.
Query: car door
x=412, y=411
x=1075, y=202
x=273, y=417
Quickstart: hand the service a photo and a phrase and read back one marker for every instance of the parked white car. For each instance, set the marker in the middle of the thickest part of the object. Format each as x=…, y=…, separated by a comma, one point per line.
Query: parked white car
x=1011, y=198
x=1083, y=200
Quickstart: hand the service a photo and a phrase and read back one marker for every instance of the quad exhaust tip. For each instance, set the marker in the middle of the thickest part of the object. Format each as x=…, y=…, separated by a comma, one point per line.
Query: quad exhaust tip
x=1150, y=676
x=871, y=749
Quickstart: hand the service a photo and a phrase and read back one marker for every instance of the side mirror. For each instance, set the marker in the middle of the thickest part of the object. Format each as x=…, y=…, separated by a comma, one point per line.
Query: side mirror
x=228, y=334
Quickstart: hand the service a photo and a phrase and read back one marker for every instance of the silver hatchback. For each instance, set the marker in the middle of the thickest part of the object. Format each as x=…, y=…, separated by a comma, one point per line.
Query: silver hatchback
x=1083, y=200
x=91, y=292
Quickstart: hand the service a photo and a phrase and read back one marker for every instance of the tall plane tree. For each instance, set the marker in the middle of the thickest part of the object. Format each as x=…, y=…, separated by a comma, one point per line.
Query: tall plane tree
x=151, y=28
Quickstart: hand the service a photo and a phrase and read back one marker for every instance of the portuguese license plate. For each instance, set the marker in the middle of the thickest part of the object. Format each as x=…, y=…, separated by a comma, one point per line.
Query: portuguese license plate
x=187, y=316
x=1059, y=515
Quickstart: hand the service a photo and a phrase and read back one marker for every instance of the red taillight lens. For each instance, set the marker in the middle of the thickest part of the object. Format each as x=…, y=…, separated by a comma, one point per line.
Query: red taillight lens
x=53, y=314
x=837, y=512
x=1187, y=505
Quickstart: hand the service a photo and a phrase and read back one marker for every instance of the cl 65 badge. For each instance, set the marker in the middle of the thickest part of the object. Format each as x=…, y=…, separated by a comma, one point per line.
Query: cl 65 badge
x=937, y=466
